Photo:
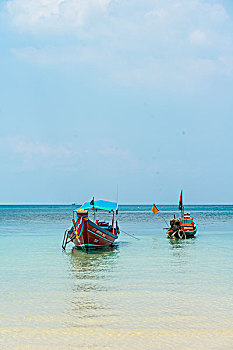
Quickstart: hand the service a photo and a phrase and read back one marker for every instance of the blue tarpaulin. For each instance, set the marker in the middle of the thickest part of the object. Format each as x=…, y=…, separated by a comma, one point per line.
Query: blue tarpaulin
x=100, y=205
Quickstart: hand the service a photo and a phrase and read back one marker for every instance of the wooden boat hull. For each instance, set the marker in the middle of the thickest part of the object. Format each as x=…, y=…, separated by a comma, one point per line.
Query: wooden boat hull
x=94, y=236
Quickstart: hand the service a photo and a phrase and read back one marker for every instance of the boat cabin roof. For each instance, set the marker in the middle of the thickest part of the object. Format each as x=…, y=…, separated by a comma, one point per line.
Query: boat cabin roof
x=100, y=204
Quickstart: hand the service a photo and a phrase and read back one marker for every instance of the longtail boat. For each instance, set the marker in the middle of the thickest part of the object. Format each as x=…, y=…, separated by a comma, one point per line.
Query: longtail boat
x=184, y=227
x=87, y=234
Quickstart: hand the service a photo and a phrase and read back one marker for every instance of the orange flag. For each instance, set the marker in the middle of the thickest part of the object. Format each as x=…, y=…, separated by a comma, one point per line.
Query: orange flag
x=154, y=209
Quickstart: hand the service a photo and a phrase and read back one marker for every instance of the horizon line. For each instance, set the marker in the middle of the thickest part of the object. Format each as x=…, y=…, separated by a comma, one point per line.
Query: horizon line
x=78, y=204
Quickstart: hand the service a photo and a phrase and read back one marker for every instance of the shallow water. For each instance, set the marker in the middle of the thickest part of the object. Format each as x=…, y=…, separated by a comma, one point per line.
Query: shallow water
x=152, y=293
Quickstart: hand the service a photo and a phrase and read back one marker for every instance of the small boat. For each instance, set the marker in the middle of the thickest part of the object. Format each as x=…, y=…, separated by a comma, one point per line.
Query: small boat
x=87, y=234
x=184, y=227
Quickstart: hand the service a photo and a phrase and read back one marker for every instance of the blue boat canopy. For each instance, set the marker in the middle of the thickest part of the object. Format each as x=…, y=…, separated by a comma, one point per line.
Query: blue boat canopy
x=100, y=204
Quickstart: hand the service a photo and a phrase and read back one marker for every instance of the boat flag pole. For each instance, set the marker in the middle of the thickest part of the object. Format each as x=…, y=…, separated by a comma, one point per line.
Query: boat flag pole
x=181, y=207
x=155, y=210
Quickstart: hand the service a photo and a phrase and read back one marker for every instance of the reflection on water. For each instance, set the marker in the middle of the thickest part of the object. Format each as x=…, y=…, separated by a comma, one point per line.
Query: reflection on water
x=155, y=243
x=181, y=247
x=94, y=265
x=181, y=243
x=91, y=275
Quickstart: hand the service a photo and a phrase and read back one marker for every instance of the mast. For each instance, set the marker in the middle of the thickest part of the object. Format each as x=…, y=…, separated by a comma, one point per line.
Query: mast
x=92, y=202
x=113, y=222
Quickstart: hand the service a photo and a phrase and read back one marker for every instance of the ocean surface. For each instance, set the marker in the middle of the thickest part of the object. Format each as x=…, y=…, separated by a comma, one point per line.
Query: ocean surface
x=153, y=293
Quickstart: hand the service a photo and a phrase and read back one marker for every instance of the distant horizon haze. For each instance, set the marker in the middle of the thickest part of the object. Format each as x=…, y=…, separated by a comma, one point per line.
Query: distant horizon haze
x=120, y=204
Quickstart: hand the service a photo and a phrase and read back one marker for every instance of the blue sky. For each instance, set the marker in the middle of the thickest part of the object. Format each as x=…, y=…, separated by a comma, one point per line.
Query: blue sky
x=96, y=93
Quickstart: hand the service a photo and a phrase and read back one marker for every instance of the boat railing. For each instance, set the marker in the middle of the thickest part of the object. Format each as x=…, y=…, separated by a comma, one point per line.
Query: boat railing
x=71, y=233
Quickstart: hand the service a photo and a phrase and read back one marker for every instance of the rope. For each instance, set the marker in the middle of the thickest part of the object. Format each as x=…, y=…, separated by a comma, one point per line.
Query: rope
x=130, y=235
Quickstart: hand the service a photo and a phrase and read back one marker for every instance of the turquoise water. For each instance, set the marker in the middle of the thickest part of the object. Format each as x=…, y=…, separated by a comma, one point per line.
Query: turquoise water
x=152, y=293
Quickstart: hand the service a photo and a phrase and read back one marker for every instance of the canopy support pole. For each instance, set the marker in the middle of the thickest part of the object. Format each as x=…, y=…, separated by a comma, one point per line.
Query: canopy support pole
x=113, y=222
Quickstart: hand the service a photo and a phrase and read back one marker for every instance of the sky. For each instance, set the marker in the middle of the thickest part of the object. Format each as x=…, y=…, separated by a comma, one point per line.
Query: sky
x=100, y=94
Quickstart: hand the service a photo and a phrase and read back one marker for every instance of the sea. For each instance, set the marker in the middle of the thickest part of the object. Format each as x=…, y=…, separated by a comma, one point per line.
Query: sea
x=147, y=292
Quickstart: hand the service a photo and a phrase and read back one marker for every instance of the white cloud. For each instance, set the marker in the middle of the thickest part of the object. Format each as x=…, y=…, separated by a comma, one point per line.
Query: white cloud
x=198, y=37
x=29, y=149
x=58, y=56
x=160, y=42
x=34, y=149
x=169, y=15
x=42, y=15
x=29, y=154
